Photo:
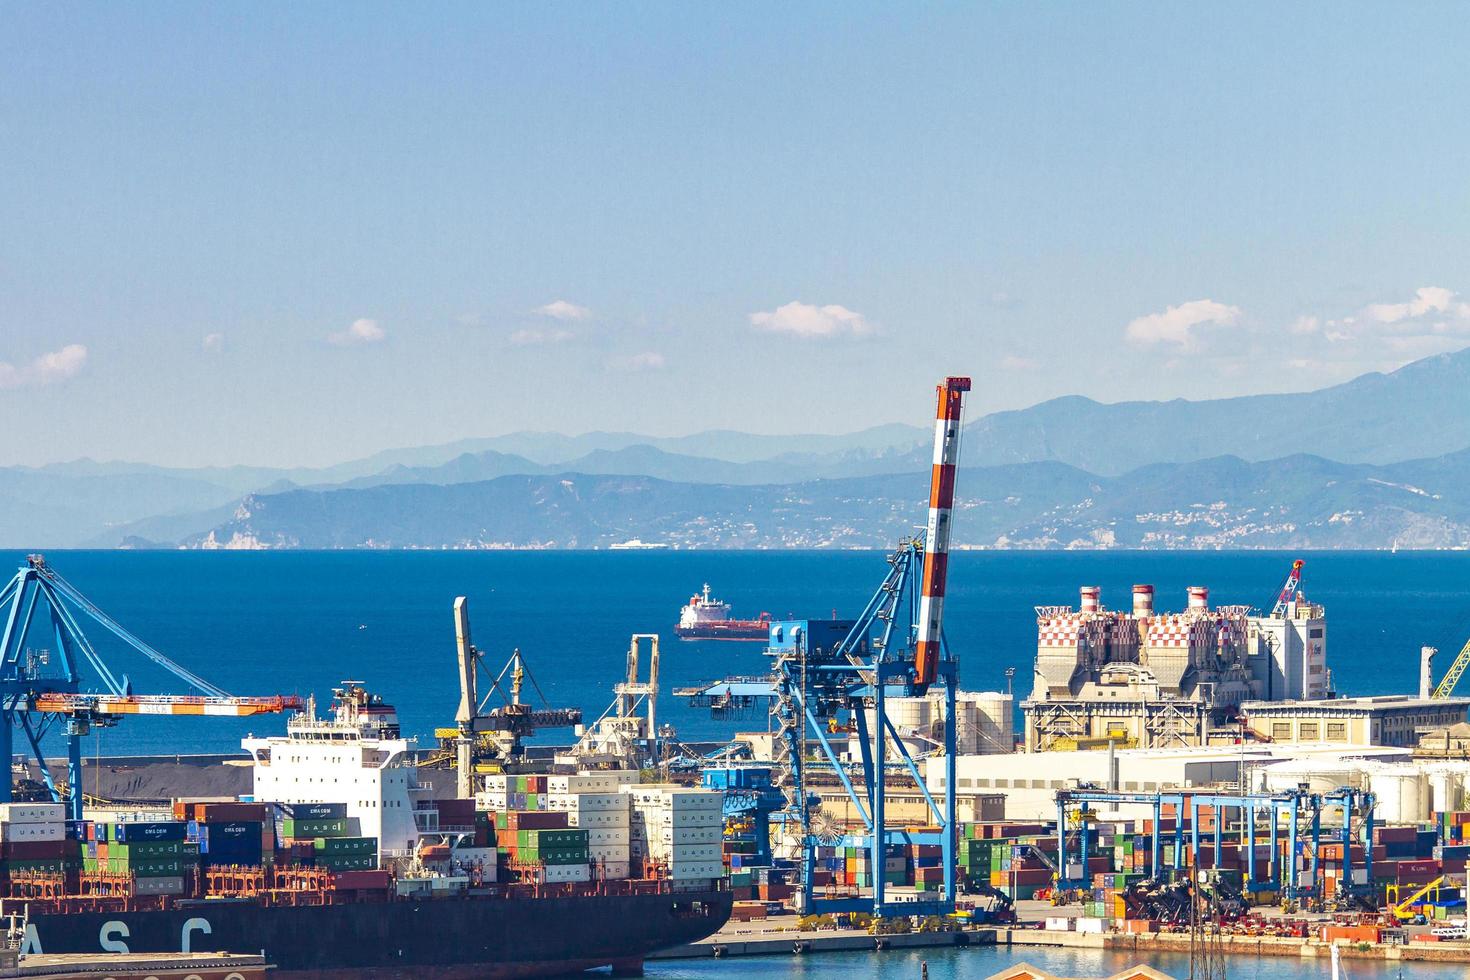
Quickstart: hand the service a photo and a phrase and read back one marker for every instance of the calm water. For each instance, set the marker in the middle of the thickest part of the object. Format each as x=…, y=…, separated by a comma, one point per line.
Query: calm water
x=290, y=622
x=972, y=964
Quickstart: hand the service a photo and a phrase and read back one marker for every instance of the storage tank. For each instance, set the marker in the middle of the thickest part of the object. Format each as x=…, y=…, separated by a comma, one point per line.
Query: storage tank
x=911, y=717
x=1320, y=775
x=1399, y=792
x=1446, y=785
x=995, y=715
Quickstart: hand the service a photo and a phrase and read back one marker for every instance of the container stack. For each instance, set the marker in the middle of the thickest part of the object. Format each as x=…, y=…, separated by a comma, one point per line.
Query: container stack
x=502, y=793
x=593, y=805
x=230, y=834
x=152, y=853
x=677, y=829
x=539, y=846
x=34, y=839
x=322, y=835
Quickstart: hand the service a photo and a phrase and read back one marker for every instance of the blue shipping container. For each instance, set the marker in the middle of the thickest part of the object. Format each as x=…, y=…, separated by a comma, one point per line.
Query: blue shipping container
x=133, y=833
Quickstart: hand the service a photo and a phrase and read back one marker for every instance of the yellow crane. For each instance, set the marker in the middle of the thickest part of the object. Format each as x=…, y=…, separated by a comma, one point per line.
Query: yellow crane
x=1452, y=676
x=1401, y=910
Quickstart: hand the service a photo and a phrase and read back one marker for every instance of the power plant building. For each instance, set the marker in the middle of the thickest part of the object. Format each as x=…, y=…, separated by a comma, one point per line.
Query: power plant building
x=1146, y=679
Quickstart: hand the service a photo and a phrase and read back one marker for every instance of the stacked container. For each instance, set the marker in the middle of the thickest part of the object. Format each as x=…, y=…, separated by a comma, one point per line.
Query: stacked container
x=594, y=805
x=152, y=853
x=34, y=839
x=678, y=829
x=541, y=846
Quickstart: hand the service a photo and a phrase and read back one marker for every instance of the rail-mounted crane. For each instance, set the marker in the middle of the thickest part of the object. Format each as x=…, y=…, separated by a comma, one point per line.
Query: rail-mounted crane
x=42, y=615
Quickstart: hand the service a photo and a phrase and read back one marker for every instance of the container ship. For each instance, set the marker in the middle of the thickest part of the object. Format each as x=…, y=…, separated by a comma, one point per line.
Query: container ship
x=345, y=865
x=706, y=618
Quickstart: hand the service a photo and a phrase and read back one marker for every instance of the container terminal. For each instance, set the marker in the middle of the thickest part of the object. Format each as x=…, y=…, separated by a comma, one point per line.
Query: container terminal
x=1188, y=777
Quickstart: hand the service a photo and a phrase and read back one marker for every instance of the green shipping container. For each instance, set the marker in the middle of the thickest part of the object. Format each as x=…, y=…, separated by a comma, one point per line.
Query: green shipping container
x=146, y=850
x=346, y=845
x=303, y=829
x=347, y=862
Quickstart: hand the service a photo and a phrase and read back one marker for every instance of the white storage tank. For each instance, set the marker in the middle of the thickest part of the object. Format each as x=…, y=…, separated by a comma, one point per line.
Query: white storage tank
x=1446, y=783
x=995, y=718
x=1400, y=792
x=1319, y=775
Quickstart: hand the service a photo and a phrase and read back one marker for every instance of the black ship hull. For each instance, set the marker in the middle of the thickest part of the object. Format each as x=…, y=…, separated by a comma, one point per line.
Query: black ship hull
x=450, y=939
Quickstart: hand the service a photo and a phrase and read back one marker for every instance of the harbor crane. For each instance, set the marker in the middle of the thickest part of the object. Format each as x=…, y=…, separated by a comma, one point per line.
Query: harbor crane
x=41, y=684
x=827, y=668
x=481, y=735
x=1289, y=591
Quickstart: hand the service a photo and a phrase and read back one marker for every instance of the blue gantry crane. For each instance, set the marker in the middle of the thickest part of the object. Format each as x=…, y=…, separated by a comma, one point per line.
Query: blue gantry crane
x=750, y=794
x=42, y=653
x=830, y=674
x=1291, y=807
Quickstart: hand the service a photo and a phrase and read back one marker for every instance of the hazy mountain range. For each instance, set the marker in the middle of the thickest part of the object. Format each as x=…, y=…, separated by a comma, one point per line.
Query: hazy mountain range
x=1379, y=461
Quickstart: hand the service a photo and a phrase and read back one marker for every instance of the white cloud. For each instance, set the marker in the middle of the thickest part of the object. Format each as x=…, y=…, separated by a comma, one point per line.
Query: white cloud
x=649, y=360
x=360, y=332
x=806, y=320
x=562, y=310
x=1427, y=299
x=536, y=335
x=1011, y=362
x=1305, y=324
x=213, y=342
x=47, y=369
x=1177, y=324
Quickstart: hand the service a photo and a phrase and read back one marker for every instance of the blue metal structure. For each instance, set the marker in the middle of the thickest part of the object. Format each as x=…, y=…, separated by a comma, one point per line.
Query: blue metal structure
x=1293, y=805
x=826, y=669
x=749, y=794
x=42, y=651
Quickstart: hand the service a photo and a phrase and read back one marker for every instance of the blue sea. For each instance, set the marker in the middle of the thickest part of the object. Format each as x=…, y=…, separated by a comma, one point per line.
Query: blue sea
x=299, y=622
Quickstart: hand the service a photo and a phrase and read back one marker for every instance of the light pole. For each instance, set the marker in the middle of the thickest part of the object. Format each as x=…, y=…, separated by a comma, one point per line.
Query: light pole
x=1010, y=674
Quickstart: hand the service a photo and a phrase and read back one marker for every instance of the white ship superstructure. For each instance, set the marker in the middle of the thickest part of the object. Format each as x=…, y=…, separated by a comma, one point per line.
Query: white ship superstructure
x=702, y=610
x=356, y=757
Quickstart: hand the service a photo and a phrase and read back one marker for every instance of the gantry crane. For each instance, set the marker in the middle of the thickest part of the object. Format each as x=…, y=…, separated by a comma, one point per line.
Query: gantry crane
x=35, y=690
x=897, y=646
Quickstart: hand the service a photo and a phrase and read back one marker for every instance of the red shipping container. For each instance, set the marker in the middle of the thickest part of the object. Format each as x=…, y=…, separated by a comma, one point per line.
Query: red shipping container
x=357, y=880
x=37, y=850
x=231, y=812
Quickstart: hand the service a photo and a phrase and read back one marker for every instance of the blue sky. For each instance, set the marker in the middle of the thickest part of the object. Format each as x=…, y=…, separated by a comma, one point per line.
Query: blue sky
x=295, y=234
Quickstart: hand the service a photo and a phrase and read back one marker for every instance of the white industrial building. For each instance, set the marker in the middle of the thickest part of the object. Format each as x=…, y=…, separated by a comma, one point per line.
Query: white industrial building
x=1147, y=679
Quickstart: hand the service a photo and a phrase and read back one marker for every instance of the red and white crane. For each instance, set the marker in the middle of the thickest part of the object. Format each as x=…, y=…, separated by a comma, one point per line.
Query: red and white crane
x=947, y=420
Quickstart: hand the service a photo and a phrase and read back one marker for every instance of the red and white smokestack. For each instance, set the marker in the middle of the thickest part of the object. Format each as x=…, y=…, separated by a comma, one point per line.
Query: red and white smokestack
x=1091, y=598
x=1199, y=597
x=1143, y=601
x=936, y=540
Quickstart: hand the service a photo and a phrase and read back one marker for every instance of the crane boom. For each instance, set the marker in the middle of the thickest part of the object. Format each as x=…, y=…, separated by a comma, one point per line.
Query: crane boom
x=936, y=540
x=1289, y=590
x=161, y=704
x=1452, y=676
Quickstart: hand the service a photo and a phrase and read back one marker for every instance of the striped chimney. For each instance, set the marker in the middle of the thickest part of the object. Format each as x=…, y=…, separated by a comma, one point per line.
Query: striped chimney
x=936, y=539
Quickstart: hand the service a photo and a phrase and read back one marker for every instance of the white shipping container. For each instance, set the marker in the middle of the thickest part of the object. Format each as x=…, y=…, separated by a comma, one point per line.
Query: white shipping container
x=474, y=855
x=675, y=797
x=681, y=818
x=596, y=782
x=615, y=870
x=701, y=853
x=490, y=800
x=602, y=836
x=13, y=832
x=560, y=872
x=712, y=869
x=32, y=812
x=608, y=852
x=588, y=802
x=609, y=819
x=682, y=835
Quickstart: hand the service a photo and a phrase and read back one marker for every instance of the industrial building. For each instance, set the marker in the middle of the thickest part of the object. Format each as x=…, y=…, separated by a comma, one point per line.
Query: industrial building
x=1393, y=720
x=1145, y=679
